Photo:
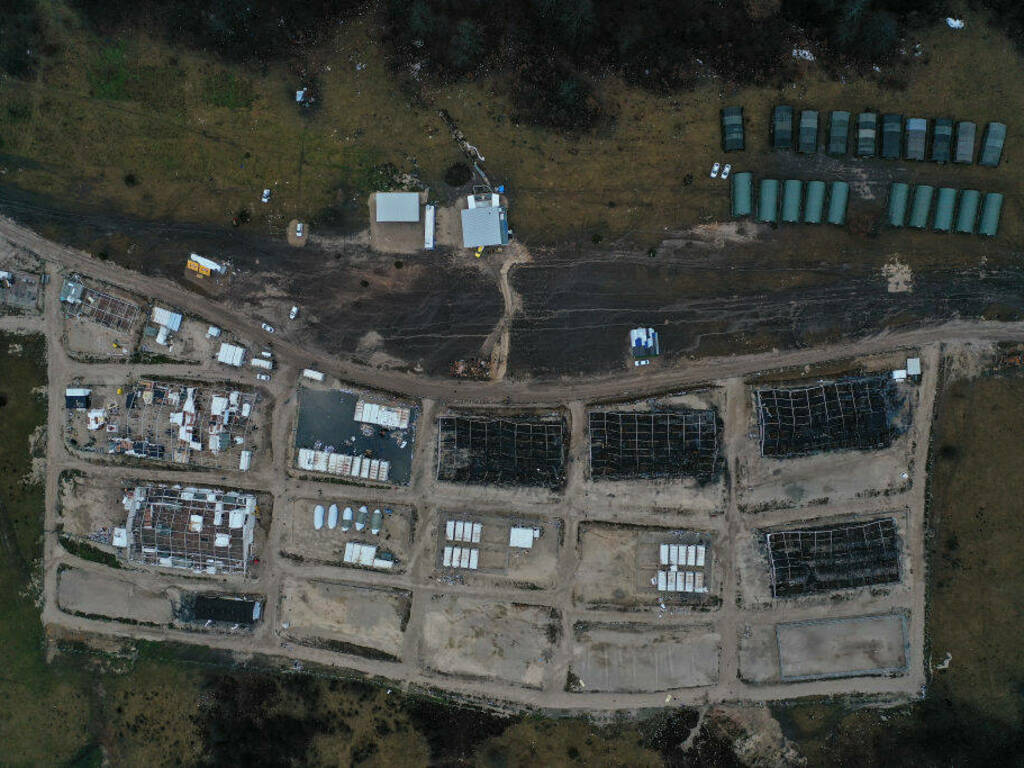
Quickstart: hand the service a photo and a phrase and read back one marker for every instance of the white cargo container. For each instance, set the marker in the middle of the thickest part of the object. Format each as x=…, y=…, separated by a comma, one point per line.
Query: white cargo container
x=309, y=373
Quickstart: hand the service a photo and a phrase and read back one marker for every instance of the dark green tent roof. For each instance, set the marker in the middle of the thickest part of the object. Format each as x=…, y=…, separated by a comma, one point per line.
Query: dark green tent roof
x=921, y=207
x=967, y=215
x=791, y=193
x=964, y=151
x=782, y=127
x=814, y=205
x=992, y=145
x=768, y=201
x=867, y=134
x=945, y=205
x=917, y=135
x=942, y=140
x=990, y=211
x=808, y=138
x=892, y=135
x=898, y=195
x=742, y=194
x=838, y=133
x=732, y=129
x=838, y=196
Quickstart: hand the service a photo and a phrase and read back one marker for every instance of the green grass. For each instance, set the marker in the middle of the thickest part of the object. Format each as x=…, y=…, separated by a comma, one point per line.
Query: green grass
x=226, y=89
x=87, y=551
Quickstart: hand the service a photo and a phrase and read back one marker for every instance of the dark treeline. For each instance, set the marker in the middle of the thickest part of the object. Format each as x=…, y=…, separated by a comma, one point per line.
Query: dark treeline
x=550, y=50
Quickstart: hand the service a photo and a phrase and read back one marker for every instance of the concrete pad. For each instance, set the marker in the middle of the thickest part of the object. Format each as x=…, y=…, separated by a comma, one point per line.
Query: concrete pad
x=489, y=639
x=637, y=659
x=93, y=594
x=367, y=617
x=849, y=647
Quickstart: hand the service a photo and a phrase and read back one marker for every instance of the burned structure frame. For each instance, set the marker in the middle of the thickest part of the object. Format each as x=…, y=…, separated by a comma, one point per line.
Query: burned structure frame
x=831, y=557
x=513, y=450
x=857, y=413
x=104, y=309
x=683, y=442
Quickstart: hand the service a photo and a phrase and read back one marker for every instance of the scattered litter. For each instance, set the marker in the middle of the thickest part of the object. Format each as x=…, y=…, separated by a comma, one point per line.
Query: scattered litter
x=944, y=664
x=955, y=23
x=803, y=53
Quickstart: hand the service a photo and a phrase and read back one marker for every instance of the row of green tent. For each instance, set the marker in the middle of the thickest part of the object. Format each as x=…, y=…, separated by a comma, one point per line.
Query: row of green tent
x=791, y=200
x=907, y=140
x=945, y=204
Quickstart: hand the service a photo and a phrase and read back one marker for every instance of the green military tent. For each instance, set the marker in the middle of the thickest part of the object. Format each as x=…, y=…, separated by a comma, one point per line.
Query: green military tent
x=742, y=194
x=808, y=138
x=921, y=206
x=838, y=133
x=792, y=190
x=964, y=152
x=768, y=201
x=892, y=136
x=917, y=136
x=782, y=127
x=945, y=205
x=990, y=211
x=898, y=195
x=732, y=129
x=814, y=205
x=967, y=215
x=867, y=134
x=942, y=140
x=838, y=195
x=992, y=144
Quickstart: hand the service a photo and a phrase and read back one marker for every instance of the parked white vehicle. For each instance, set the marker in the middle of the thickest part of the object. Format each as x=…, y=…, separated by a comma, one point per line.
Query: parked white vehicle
x=300, y=229
x=294, y=313
x=263, y=376
x=726, y=171
x=267, y=328
x=266, y=196
x=715, y=169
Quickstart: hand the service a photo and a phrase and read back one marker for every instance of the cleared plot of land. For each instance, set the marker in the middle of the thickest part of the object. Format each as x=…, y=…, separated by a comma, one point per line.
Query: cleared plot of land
x=338, y=616
x=489, y=639
x=853, y=413
x=512, y=450
x=327, y=546
x=850, y=647
x=829, y=557
x=634, y=658
x=93, y=594
x=533, y=559
x=620, y=565
x=663, y=443
x=90, y=505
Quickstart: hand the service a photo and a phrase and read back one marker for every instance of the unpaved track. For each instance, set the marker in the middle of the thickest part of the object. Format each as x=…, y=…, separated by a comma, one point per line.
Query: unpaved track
x=577, y=503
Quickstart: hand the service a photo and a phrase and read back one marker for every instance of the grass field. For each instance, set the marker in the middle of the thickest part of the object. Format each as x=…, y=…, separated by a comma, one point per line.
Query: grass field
x=136, y=126
x=974, y=709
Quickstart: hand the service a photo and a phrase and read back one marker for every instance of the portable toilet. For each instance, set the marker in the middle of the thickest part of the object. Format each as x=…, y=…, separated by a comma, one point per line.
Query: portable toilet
x=899, y=193
x=742, y=204
x=967, y=215
x=732, y=129
x=768, y=201
x=964, y=152
x=838, y=133
x=921, y=206
x=867, y=134
x=945, y=205
x=782, y=127
x=992, y=145
x=814, y=205
x=839, y=193
x=791, y=192
x=808, y=138
x=916, y=140
x=892, y=135
x=942, y=140
x=990, y=211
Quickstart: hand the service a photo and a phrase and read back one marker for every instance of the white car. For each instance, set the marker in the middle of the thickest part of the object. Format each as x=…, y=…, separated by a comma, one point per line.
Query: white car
x=294, y=313
x=267, y=328
x=726, y=171
x=715, y=169
x=263, y=376
x=638, y=363
x=266, y=196
x=300, y=229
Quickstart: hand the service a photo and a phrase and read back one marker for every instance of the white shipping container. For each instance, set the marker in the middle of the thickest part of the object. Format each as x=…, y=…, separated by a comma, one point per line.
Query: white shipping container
x=465, y=558
x=474, y=555
x=689, y=581
x=349, y=552
x=673, y=554
x=691, y=554
x=662, y=581
x=449, y=530
x=664, y=554
x=700, y=556
x=447, y=557
x=365, y=471
x=458, y=530
x=357, y=465
x=698, y=582
x=309, y=373
x=476, y=533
